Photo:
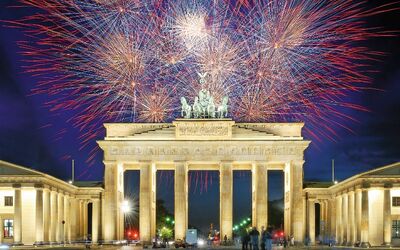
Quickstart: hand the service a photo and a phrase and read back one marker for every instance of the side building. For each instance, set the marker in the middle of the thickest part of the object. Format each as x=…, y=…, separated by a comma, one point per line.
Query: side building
x=362, y=210
x=36, y=208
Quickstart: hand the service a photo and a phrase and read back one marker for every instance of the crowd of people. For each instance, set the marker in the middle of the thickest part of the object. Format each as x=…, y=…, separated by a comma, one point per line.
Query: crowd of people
x=254, y=240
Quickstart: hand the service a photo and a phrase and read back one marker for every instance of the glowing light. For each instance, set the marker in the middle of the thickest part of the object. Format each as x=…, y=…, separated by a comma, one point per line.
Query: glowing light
x=200, y=242
x=126, y=206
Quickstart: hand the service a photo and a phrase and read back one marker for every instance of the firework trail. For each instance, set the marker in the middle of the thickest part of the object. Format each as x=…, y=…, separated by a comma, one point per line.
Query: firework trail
x=131, y=60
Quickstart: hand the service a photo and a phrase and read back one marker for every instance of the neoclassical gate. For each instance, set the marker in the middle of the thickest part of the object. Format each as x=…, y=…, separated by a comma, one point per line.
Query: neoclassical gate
x=202, y=144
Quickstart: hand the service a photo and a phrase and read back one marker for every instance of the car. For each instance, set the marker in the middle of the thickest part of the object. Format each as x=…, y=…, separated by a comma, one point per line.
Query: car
x=179, y=243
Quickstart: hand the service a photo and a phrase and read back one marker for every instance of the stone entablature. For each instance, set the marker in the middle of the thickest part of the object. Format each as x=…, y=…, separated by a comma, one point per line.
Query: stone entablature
x=204, y=129
x=200, y=150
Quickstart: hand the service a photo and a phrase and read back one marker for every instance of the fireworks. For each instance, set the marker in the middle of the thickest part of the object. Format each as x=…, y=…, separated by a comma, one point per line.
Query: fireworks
x=128, y=60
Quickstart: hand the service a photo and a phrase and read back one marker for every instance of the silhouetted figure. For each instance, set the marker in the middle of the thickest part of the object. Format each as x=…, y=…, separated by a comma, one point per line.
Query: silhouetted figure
x=245, y=238
x=263, y=238
x=269, y=237
x=254, y=238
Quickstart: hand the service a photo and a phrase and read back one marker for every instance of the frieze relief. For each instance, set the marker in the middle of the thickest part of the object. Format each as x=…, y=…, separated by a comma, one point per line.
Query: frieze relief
x=207, y=150
x=187, y=129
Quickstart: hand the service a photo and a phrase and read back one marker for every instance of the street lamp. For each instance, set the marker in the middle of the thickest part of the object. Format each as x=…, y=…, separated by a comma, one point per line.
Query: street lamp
x=126, y=207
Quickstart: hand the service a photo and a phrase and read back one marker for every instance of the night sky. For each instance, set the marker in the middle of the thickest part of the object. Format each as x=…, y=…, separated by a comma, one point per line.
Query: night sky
x=33, y=136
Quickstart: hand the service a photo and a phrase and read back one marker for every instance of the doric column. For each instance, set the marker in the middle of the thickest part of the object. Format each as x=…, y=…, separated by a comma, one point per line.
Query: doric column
x=17, y=214
x=74, y=218
x=46, y=215
x=327, y=233
x=322, y=219
x=296, y=214
x=339, y=228
x=387, y=216
x=260, y=195
x=332, y=216
x=85, y=218
x=364, y=218
x=111, y=211
x=311, y=220
x=60, y=225
x=80, y=221
x=181, y=199
x=39, y=215
x=147, y=203
x=95, y=220
x=351, y=211
x=67, y=220
x=345, y=222
x=358, y=215
x=226, y=199
x=54, y=215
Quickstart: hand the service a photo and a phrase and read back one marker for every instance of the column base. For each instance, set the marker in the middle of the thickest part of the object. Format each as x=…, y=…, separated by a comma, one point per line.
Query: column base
x=387, y=244
x=17, y=244
x=365, y=245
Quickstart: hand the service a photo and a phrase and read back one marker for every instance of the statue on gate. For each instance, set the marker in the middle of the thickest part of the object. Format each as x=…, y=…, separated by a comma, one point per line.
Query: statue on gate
x=204, y=105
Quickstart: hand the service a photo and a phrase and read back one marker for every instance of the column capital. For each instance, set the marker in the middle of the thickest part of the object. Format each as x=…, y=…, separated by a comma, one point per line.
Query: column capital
x=297, y=162
x=181, y=162
x=141, y=163
x=365, y=185
x=388, y=185
x=38, y=186
x=225, y=163
x=16, y=185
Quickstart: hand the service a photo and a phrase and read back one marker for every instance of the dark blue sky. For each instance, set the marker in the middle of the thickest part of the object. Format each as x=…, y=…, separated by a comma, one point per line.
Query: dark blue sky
x=32, y=136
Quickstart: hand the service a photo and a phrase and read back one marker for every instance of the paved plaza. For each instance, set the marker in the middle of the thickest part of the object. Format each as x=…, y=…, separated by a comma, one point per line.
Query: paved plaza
x=78, y=247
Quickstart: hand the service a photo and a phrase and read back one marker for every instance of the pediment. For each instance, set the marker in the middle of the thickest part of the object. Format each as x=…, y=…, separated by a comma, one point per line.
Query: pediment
x=7, y=168
x=392, y=169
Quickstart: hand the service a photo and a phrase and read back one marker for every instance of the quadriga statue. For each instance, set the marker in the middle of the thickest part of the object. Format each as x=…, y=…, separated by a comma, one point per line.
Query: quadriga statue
x=186, y=109
x=222, y=110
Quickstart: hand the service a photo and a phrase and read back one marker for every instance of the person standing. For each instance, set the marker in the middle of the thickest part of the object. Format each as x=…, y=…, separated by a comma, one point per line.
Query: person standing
x=263, y=238
x=268, y=239
x=254, y=236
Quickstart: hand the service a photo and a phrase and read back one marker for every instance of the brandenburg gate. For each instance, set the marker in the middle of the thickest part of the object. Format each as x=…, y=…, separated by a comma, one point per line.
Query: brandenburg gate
x=202, y=144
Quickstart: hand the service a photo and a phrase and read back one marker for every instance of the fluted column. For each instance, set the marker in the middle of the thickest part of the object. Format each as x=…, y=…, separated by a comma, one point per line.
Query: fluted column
x=387, y=216
x=345, y=223
x=147, y=201
x=358, y=215
x=322, y=226
x=111, y=201
x=46, y=215
x=17, y=214
x=39, y=215
x=85, y=218
x=67, y=225
x=226, y=199
x=95, y=220
x=260, y=195
x=311, y=221
x=60, y=225
x=339, y=228
x=296, y=214
x=351, y=218
x=332, y=209
x=54, y=216
x=74, y=218
x=364, y=218
x=181, y=199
